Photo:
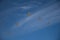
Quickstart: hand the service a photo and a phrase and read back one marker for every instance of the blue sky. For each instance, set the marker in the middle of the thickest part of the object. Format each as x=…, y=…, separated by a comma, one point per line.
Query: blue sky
x=29, y=27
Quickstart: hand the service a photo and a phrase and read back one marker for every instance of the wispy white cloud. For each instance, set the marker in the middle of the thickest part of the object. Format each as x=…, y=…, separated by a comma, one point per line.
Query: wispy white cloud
x=49, y=12
x=25, y=7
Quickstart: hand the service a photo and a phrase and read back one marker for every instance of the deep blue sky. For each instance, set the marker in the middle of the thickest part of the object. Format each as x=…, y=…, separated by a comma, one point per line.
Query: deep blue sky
x=42, y=24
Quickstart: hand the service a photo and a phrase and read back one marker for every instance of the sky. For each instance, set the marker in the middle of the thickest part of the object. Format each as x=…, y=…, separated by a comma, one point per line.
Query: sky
x=29, y=19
